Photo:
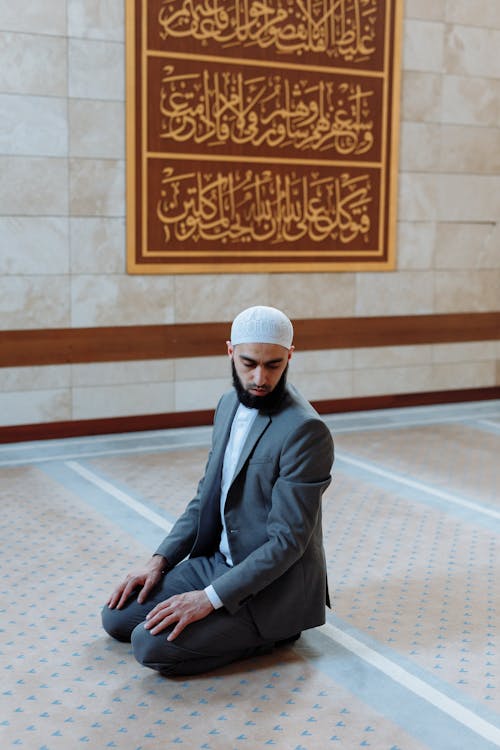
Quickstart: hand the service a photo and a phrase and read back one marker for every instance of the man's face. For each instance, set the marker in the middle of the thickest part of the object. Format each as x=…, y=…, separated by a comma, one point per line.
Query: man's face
x=259, y=367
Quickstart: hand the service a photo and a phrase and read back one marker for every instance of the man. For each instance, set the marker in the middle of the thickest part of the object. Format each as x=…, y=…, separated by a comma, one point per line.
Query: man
x=243, y=568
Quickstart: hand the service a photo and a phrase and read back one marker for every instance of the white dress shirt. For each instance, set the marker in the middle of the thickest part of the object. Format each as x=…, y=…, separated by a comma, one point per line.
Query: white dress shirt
x=242, y=422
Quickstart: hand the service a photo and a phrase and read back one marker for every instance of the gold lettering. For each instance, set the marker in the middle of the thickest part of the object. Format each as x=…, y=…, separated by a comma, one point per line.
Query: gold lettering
x=263, y=207
x=342, y=28
x=220, y=108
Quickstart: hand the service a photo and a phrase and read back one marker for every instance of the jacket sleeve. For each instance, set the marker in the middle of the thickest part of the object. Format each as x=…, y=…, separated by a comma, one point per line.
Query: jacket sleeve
x=294, y=514
x=181, y=538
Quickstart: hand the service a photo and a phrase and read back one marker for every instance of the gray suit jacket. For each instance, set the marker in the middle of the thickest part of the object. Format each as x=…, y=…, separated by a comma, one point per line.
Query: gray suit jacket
x=272, y=513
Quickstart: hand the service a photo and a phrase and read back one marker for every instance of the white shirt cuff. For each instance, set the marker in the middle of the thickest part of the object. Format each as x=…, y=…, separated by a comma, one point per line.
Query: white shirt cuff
x=213, y=596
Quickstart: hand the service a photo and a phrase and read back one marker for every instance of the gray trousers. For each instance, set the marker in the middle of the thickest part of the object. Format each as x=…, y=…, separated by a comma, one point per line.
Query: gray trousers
x=216, y=640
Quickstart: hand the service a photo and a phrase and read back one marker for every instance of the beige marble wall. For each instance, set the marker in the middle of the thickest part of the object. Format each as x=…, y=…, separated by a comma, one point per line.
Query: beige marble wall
x=62, y=220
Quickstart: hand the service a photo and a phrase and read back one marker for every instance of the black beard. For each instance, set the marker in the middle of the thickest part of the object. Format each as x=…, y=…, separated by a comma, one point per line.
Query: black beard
x=268, y=403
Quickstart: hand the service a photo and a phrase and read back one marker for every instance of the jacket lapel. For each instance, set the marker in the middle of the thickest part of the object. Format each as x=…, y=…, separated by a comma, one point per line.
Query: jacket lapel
x=209, y=523
x=259, y=426
x=226, y=421
x=223, y=426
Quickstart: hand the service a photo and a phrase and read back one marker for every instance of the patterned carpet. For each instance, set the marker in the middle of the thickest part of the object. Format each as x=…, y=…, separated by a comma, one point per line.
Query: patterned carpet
x=408, y=659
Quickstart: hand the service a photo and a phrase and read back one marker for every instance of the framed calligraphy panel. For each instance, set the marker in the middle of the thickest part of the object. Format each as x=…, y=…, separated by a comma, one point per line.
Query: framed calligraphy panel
x=262, y=135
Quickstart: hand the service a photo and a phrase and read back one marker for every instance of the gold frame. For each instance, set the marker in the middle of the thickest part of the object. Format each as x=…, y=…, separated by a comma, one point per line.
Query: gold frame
x=383, y=258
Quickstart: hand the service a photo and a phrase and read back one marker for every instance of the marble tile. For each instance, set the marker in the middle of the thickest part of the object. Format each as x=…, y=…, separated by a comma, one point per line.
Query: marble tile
x=34, y=245
x=32, y=64
x=392, y=356
x=33, y=125
x=421, y=96
x=420, y=147
x=472, y=351
x=46, y=378
x=97, y=187
x=190, y=368
x=96, y=19
x=402, y=293
x=87, y=61
x=99, y=402
x=320, y=361
x=121, y=300
x=194, y=395
x=122, y=373
x=469, y=100
x=97, y=245
x=96, y=129
x=423, y=45
x=467, y=246
x=467, y=291
x=491, y=257
x=430, y=10
x=469, y=198
x=314, y=295
x=448, y=230
x=33, y=186
x=473, y=150
x=415, y=245
x=484, y=13
x=34, y=302
x=418, y=196
x=389, y=380
x=206, y=297
x=323, y=386
x=37, y=16
x=34, y=407
x=472, y=51
x=463, y=375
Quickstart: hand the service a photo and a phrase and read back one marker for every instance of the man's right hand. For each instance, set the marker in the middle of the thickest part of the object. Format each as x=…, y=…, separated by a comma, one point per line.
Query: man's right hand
x=145, y=579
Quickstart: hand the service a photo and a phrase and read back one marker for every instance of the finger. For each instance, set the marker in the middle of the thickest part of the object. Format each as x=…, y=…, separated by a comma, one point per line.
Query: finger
x=159, y=615
x=115, y=597
x=160, y=625
x=177, y=630
x=127, y=591
x=112, y=601
x=167, y=605
x=148, y=585
x=156, y=610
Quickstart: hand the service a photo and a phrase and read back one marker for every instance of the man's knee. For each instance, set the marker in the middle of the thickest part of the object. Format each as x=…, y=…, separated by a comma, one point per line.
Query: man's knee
x=172, y=659
x=116, y=623
x=154, y=651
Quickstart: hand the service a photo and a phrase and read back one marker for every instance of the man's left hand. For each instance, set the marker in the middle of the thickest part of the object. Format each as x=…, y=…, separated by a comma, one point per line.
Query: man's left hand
x=180, y=608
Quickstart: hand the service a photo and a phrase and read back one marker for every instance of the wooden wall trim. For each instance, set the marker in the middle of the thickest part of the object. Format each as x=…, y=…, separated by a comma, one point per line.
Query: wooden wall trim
x=112, y=425
x=123, y=343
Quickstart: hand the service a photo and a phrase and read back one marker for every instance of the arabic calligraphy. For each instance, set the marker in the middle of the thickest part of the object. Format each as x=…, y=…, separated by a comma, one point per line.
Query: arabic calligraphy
x=339, y=29
x=214, y=108
x=263, y=206
x=261, y=135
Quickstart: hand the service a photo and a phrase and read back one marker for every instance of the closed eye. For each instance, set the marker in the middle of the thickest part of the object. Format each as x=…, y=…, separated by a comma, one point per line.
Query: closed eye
x=273, y=364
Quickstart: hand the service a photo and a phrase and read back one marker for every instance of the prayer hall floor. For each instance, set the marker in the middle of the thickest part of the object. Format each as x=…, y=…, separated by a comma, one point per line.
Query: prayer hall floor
x=408, y=658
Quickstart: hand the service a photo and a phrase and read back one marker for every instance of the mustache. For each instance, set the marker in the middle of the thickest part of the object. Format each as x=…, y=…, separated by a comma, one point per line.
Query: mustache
x=269, y=402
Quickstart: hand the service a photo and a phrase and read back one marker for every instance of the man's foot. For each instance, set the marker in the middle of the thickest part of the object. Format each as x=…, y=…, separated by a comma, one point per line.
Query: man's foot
x=287, y=641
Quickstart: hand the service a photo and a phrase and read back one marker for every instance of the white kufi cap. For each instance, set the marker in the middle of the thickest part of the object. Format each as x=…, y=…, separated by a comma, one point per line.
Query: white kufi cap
x=262, y=325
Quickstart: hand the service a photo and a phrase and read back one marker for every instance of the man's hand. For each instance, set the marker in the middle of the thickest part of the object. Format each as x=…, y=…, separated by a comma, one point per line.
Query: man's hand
x=182, y=609
x=147, y=578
